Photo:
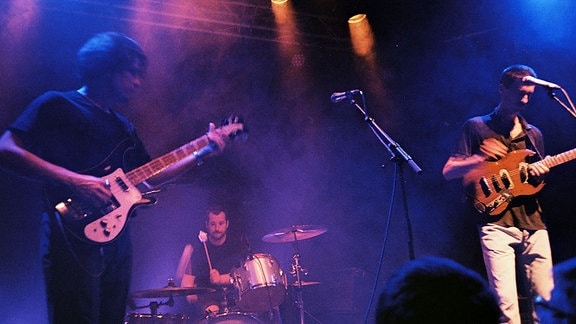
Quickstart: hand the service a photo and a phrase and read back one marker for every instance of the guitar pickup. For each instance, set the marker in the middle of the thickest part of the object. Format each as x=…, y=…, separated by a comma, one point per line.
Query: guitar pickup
x=485, y=187
x=506, y=179
x=121, y=184
x=523, y=172
x=496, y=183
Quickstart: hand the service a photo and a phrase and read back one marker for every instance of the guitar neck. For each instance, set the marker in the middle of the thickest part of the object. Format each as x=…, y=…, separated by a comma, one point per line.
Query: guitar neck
x=552, y=161
x=161, y=163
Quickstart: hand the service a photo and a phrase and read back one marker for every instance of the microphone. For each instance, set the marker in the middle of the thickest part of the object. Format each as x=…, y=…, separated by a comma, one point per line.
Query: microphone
x=336, y=97
x=541, y=83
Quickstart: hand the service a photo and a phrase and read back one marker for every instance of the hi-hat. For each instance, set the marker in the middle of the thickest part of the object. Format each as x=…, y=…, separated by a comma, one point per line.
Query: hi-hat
x=171, y=291
x=294, y=233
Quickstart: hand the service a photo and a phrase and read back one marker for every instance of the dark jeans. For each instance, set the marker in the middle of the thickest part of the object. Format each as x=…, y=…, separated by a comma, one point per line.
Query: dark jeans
x=85, y=283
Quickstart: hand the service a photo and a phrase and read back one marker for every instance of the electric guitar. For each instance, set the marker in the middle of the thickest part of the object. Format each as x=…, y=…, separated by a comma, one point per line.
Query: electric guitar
x=493, y=185
x=102, y=224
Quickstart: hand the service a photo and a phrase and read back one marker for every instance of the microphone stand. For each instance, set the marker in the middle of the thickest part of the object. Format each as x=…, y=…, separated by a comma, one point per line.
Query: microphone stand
x=571, y=109
x=398, y=155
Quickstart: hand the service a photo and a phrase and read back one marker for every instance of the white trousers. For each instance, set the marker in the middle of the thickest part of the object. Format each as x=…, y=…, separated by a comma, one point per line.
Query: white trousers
x=501, y=248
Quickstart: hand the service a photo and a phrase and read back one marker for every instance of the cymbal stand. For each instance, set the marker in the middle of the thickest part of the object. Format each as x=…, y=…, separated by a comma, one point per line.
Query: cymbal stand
x=154, y=305
x=224, y=303
x=296, y=271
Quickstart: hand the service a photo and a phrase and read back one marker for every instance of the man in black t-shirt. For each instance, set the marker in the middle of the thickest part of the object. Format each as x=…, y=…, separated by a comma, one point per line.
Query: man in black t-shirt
x=225, y=252
x=70, y=142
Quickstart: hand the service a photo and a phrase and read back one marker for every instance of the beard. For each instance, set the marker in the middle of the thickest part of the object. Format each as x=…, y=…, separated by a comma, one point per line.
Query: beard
x=217, y=235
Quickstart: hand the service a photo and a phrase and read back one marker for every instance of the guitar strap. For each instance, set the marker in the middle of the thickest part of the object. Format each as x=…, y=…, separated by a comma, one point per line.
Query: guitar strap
x=530, y=135
x=492, y=121
x=136, y=144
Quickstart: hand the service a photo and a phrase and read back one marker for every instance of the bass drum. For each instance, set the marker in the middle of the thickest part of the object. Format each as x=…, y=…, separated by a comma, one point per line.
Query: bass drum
x=233, y=318
x=260, y=282
x=157, y=319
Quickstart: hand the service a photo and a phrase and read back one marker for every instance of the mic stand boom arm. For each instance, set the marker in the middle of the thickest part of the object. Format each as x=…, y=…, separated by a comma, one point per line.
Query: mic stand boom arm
x=571, y=109
x=393, y=147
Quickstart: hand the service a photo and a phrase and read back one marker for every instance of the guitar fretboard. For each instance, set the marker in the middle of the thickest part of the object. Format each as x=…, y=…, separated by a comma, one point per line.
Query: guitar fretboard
x=161, y=163
x=558, y=159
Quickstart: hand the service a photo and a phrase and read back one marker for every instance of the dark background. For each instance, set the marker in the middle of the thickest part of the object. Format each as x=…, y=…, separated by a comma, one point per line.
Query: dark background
x=306, y=160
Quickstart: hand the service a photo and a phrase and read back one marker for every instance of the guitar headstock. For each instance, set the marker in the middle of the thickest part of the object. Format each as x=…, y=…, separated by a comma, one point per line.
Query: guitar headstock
x=233, y=125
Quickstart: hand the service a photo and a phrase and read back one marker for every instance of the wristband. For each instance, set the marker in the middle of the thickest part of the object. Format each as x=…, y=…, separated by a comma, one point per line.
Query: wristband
x=197, y=158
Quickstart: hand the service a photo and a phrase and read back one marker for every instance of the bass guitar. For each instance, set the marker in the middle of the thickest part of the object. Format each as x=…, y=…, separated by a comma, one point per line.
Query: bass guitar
x=102, y=224
x=493, y=185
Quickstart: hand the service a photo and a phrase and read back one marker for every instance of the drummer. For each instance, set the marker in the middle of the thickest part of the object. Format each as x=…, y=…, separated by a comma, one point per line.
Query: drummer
x=225, y=252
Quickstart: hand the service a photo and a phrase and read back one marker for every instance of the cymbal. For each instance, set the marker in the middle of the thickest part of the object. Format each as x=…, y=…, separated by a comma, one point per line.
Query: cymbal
x=294, y=233
x=171, y=291
x=306, y=283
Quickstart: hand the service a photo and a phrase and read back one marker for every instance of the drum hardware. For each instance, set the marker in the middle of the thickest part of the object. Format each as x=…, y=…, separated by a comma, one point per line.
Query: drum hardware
x=305, y=283
x=157, y=319
x=297, y=272
x=154, y=305
x=224, y=303
x=170, y=291
x=232, y=318
x=294, y=234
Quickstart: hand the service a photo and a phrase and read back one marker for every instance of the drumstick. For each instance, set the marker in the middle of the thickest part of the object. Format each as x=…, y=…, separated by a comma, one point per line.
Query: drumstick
x=203, y=237
x=184, y=260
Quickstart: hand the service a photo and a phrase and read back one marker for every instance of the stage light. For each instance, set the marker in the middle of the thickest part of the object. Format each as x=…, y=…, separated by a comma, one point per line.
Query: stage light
x=357, y=18
x=279, y=1
x=361, y=35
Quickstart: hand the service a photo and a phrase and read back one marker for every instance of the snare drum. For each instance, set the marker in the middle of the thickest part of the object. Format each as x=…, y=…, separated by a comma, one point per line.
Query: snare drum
x=157, y=319
x=260, y=283
x=233, y=318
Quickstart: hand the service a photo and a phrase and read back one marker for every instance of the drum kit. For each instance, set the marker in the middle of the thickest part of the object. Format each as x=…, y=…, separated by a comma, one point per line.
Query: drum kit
x=260, y=282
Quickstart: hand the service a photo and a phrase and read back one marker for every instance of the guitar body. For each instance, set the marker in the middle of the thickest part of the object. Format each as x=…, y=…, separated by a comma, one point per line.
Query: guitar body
x=102, y=224
x=494, y=184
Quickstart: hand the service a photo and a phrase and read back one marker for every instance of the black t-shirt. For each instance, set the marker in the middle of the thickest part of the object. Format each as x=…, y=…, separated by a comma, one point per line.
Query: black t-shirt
x=67, y=129
x=224, y=258
x=523, y=211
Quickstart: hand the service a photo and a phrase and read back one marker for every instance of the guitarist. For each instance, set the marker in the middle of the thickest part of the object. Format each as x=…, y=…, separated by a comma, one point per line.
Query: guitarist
x=519, y=231
x=61, y=133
